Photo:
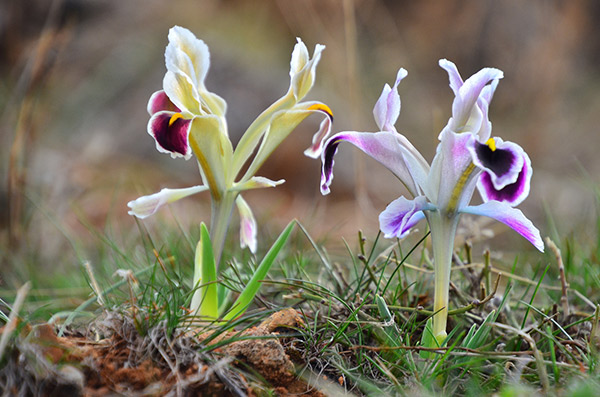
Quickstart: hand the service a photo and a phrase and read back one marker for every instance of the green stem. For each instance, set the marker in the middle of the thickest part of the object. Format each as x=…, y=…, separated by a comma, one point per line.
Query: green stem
x=221, y=211
x=443, y=231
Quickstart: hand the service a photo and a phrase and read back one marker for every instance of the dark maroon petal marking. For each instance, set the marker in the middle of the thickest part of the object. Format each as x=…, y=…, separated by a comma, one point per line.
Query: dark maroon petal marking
x=499, y=161
x=159, y=101
x=513, y=193
x=171, y=136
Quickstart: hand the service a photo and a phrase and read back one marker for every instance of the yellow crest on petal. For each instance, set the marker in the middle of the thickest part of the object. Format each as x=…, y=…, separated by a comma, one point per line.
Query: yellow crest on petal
x=174, y=118
x=491, y=143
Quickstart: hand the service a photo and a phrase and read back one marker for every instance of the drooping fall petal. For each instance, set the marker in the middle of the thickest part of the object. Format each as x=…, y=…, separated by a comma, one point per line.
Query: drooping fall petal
x=171, y=133
x=145, y=206
x=503, y=161
x=159, y=101
x=511, y=217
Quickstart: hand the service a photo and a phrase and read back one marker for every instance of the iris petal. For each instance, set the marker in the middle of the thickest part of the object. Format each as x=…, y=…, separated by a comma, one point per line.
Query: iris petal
x=390, y=149
x=511, y=217
x=401, y=215
x=159, y=101
x=503, y=161
x=171, y=134
x=513, y=193
x=145, y=206
x=247, y=225
x=387, y=108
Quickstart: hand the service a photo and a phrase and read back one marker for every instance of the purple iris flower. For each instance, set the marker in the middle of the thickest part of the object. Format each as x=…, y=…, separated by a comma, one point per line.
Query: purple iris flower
x=467, y=158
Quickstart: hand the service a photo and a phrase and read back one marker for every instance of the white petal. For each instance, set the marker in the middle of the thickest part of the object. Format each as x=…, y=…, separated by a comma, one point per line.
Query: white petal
x=247, y=225
x=145, y=206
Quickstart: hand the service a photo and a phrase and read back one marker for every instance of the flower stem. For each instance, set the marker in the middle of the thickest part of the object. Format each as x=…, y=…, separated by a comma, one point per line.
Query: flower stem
x=443, y=231
x=220, y=218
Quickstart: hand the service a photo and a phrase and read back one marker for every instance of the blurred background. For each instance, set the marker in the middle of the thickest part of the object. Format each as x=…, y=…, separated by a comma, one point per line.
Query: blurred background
x=75, y=77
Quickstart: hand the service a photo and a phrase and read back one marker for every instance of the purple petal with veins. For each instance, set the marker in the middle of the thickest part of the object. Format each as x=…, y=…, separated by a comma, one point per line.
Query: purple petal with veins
x=401, y=215
x=511, y=217
x=171, y=134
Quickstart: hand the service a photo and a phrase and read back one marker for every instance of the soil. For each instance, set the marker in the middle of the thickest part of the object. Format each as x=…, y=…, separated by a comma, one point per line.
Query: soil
x=124, y=363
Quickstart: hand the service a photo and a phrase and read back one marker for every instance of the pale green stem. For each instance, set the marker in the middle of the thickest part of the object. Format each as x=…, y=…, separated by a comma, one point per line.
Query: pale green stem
x=443, y=231
x=221, y=211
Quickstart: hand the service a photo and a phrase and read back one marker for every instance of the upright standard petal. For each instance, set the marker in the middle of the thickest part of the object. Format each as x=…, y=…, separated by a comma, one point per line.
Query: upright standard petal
x=171, y=132
x=466, y=115
x=187, y=54
x=401, y=215
x=387, y=108
x=247, y=225
x=302, y=69
x=145, y=206
x=511, y=217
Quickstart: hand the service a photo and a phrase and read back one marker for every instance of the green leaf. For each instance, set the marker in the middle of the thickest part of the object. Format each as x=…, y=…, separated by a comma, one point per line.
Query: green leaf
x=247, y=295
x=205, y=301
x=428, y=339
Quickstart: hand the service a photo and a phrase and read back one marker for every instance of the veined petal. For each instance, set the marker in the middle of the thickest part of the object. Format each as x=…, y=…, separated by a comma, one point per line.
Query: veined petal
x=213, y=149
x=452, y=175
x=247, y=225
x=145, y=206
x=159, y=101
x=256, y=182
x=182, y=93
x=388, y=148
x=514, y=193
x=401, y=215
x=387, y=108
x=511, y=217
x=171, y=132
x=187, y=54
x=503, y=161
x=302, y=69
x=282, y=124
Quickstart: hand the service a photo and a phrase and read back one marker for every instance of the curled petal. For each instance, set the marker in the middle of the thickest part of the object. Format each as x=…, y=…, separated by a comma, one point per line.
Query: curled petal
x=503, y=161
x=302, y=69
x=401, y=215
x=390, y=149
x=322, y=134
x=511, y=217
x=159, y=101
x=256, y=182
x=247, y=225
x=171, y=131
x=281, y=126
x=387, y=108
x=513, y=193
x=145, y=206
